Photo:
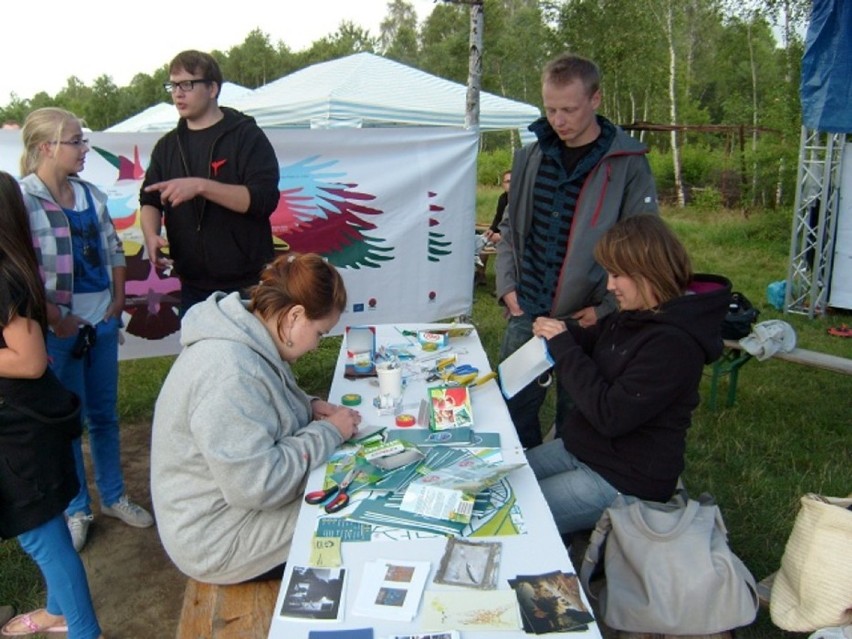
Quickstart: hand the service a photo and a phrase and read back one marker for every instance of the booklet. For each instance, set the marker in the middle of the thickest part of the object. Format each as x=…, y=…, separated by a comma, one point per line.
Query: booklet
x=314, y=594
x=461, y=436
x=450, y=491
x=524, y=366
x=391, y=589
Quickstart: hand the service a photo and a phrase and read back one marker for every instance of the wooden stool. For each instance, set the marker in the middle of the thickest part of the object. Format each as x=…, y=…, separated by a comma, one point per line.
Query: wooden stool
x=241, y=611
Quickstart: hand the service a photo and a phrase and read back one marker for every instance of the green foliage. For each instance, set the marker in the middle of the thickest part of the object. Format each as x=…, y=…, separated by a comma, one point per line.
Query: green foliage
x=729, y=71
x=491, y=165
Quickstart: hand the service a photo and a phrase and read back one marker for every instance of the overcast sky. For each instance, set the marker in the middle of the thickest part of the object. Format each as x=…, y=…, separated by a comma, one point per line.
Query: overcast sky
x=44, y=42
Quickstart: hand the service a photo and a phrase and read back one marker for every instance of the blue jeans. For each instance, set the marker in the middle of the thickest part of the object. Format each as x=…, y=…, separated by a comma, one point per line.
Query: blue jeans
x=525, y=406
x=67, y=587
x=576, y=495
x=94, y=378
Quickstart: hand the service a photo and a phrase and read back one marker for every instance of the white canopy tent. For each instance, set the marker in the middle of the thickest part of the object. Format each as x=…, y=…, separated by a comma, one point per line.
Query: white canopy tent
x=164, y=117
x=364, y=90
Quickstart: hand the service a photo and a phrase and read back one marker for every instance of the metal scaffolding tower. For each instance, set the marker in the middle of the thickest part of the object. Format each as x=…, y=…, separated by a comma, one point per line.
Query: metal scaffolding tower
x=814, y=222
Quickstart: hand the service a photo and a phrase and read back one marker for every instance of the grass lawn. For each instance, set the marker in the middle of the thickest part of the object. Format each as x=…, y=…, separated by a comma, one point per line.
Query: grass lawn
x=788, y=434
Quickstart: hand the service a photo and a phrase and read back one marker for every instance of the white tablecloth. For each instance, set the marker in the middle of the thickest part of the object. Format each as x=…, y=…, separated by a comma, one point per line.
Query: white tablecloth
x=539, y=550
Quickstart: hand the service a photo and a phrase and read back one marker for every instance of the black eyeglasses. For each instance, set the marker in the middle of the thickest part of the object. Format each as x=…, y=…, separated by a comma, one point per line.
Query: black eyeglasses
x=184, y=85
x=75, y=143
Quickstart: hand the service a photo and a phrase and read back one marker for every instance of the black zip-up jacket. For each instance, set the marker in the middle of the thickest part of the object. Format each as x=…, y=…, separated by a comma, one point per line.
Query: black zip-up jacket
x=214, y=248
x=634, y=379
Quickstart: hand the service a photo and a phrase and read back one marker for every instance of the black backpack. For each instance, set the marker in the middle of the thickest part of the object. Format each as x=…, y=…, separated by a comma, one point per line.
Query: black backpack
x=740, y=318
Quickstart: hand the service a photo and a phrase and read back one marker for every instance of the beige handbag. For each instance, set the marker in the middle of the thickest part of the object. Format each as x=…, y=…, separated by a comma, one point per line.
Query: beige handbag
x=669, y=569
x=813, y=588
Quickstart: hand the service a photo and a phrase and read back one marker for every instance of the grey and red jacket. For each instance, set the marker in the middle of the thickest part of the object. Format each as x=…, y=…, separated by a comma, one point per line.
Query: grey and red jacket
x=620, y=185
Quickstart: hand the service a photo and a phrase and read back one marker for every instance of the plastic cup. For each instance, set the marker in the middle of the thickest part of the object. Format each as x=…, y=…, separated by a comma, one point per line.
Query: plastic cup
x=390, y=380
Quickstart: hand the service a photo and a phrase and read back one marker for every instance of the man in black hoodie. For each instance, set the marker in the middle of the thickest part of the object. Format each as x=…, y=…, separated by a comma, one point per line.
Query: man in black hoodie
x=214, y=180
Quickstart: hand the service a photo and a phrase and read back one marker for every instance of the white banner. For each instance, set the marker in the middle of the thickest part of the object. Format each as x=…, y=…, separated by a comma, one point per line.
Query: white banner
x=393, y=209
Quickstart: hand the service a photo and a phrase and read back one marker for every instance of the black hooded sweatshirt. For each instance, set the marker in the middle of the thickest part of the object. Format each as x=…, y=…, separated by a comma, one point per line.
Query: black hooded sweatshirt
x=634, y=379
x=214, y=248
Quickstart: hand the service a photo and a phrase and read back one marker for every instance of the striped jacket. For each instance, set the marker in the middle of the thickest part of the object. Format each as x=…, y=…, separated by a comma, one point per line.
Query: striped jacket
x=52, y=238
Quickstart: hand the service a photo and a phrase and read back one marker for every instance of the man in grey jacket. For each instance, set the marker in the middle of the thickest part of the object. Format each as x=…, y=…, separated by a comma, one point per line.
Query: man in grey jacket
x=580, y=177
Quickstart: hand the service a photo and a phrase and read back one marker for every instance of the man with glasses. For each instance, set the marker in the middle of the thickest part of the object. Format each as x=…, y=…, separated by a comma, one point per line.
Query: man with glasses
x=214, y=179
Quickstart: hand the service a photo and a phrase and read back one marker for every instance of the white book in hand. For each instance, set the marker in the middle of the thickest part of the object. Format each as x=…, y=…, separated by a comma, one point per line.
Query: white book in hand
x=524, y=366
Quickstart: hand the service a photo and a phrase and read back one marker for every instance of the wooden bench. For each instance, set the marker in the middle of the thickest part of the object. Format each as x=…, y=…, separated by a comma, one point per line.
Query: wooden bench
x=242, y=611
x=735, y=357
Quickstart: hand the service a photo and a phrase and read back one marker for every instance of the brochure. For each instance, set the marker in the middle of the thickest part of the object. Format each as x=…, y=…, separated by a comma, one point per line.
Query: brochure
x=449, y=492
x=524, y=366
x=462, y=436
x=391, y=589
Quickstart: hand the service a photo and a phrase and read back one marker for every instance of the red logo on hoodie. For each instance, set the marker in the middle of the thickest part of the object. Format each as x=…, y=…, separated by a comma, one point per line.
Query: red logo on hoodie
x=215, y=165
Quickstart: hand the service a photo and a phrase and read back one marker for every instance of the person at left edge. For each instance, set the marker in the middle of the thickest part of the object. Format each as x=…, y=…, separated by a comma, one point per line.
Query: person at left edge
x=39, y=419
x=214, y=178
x=82, y=262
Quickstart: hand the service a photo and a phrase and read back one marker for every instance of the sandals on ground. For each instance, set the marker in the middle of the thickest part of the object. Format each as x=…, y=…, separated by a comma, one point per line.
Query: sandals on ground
x=29, y=626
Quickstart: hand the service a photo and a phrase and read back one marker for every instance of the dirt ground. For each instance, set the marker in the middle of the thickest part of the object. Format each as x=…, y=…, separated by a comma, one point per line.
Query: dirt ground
x=136, y=589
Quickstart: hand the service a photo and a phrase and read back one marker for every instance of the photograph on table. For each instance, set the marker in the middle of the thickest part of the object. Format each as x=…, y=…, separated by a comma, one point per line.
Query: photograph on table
x=314, y=594
x=551, y=602
x=470, y=564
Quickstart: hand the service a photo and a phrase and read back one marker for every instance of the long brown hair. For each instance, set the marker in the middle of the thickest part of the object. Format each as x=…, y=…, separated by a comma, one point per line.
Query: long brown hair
x=18, y=262
x=645, y=248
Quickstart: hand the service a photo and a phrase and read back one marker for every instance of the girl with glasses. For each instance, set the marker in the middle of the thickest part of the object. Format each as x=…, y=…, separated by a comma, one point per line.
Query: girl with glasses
x=82, y=260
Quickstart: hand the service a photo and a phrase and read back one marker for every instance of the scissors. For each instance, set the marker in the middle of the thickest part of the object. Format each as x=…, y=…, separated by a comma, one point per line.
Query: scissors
x=463, y=375
x=335, y=497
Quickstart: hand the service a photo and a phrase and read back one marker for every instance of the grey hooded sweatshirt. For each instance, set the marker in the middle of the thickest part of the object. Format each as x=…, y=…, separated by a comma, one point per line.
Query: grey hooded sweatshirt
x=233, y=443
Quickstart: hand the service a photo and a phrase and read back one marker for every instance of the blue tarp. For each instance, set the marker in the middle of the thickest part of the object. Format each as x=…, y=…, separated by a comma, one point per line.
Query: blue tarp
x=826, y=90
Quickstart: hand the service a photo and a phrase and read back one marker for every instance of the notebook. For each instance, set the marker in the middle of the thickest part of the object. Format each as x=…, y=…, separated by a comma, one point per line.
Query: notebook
x=524, y=366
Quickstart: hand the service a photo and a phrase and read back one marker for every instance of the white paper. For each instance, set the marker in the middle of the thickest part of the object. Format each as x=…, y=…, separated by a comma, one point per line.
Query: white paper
x=524, y=366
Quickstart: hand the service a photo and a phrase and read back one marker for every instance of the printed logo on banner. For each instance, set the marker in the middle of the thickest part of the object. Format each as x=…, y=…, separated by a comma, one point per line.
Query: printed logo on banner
x=320, y=213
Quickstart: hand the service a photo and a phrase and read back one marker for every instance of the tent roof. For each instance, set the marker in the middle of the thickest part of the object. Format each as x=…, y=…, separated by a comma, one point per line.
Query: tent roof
x=368, y=90
x=163, y=117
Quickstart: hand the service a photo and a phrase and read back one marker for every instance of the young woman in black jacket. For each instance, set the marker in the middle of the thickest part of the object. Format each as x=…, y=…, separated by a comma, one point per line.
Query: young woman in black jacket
x=38, y=420
x=633, y=376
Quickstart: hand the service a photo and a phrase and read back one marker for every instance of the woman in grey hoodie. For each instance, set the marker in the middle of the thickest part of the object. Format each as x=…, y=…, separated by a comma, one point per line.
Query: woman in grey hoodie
x=234, y=436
